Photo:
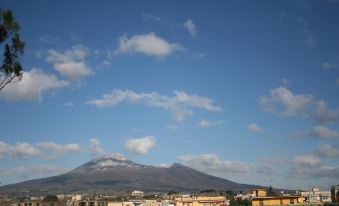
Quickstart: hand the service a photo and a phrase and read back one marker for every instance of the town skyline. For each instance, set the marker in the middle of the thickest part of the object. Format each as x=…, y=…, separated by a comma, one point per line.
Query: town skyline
x=240, y=90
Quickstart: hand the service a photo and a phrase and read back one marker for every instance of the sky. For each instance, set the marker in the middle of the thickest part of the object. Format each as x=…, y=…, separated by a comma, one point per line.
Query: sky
x=242, y=90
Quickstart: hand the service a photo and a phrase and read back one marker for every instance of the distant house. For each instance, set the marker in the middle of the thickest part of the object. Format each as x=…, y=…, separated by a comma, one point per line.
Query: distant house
x=91, y=203
x=260, y=192
x=316, y=196
x=49, y=200
x=278, y=200
x=201, y=201
x=137, y=193
x=28, y=203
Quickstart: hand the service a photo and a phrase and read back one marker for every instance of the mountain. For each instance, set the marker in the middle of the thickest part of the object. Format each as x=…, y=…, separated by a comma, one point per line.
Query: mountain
x=113, y=172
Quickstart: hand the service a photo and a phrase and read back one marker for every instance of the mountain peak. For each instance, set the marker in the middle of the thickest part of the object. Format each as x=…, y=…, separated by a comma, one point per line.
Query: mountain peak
x=113, y=156
x=107, y=161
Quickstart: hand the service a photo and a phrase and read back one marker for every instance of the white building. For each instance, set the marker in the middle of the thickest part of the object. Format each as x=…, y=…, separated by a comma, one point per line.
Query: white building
x=316, y=196
x=137, y=193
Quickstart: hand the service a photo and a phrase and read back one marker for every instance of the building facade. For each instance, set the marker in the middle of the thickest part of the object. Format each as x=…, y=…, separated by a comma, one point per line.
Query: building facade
x=335, y=193
x=278, y=200
x=316, y=196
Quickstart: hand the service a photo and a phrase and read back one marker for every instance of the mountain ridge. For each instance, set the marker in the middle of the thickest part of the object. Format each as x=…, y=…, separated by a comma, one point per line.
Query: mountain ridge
x=115, y=173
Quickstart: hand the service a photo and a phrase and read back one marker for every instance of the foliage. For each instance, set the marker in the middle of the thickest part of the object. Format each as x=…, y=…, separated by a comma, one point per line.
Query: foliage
x=239, y=202
x=50, y=198
x=236, y=201
x=207, y=191
x=271, y=192
x=172, y=192
x=11, y=68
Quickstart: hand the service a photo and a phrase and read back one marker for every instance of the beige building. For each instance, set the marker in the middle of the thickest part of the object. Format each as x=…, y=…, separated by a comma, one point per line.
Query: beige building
x=28, y=203
x=91, y=203
x=200, y=201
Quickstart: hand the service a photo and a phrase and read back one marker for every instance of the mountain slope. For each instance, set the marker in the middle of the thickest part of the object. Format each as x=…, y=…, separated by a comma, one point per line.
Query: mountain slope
x=113, y=172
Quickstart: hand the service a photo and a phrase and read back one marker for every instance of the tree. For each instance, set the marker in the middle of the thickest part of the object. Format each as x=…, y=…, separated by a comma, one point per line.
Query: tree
x=270, y=192
x=11, y=69
x=172, y=192
x=207, y=191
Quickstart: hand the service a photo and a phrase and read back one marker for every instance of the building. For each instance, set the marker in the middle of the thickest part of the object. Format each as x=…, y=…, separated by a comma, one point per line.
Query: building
x=335, y=193
x=316, y=196
x=91, y=203
x=259, y=192
x=137, y=193
x=278, y=200
x=49, y=200
x=151, y=203
x=28, y=203
x=200, y=201
x=129, y=203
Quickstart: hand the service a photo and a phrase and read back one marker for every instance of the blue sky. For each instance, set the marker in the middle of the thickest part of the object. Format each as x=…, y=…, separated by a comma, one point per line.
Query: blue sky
x=241, y=90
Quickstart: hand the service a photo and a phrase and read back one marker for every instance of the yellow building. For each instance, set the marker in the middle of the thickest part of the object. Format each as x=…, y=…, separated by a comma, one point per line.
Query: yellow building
x=259, y=192
x=28, y=203
x=279, y=200
x=200, y=201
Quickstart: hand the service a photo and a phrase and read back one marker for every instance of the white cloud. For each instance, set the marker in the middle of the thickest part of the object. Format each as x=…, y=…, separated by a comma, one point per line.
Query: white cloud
x=104, y=64
x=328, y=150
x=253, y=127
x=310, y=39
x=180, y=105
x=151, y=17
x=69, y=104
x=306, y=160
x=5, y=149
x=285, y=82
x=52, y=149
x=292, y=104
x=206, y=123
x=211, y=163
x=282, y=101
x=149, y=44
x=190, y=26
x=317, y=131
x=48, y=39
x=24, y=150
x=328, y=65
x=302, y=166
x=324, y=132
x=172, y=127
x=95, y=147
x=324, y=115
x=71, y=63
x=46, y=150
x=140, y=145
x=21, y=150
x=323, y=171
x=32, y=86
x=28, y=171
